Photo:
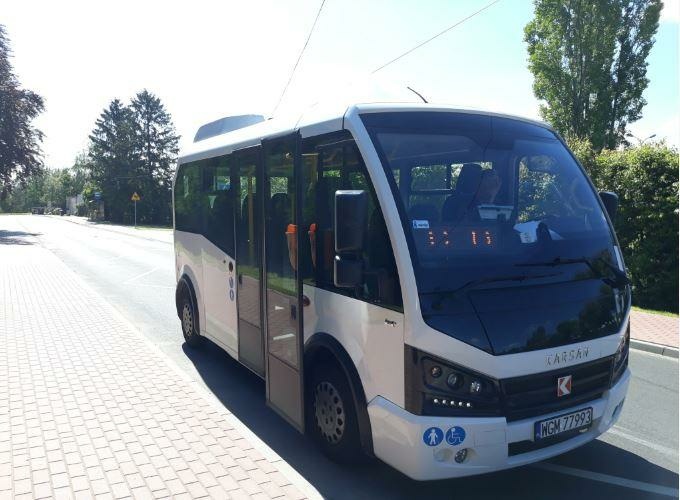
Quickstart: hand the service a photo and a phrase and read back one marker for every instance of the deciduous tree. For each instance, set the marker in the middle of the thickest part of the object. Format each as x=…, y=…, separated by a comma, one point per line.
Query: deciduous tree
x=20, y=154
x=589, y=64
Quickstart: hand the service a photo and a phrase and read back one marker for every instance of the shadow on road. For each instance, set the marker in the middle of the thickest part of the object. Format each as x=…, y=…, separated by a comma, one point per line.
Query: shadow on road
x=15, y=237
x=243, y=393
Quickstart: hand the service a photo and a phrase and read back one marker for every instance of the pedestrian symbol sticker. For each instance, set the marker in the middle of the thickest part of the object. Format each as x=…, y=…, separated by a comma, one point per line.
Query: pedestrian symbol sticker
x=455, y=435
x=433, y=436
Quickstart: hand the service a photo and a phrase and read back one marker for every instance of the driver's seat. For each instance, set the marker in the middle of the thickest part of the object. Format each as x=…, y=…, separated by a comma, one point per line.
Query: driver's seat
x=467, y=184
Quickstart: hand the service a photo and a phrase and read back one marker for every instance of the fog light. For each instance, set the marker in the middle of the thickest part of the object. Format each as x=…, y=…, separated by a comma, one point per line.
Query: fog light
x=436, y=371
x=461, y=455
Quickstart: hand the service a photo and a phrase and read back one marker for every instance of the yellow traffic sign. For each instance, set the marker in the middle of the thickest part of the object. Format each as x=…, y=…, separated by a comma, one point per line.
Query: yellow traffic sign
x=135, y=197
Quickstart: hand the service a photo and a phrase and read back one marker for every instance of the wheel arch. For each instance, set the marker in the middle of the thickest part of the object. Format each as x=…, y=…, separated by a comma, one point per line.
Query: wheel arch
x=322, y=346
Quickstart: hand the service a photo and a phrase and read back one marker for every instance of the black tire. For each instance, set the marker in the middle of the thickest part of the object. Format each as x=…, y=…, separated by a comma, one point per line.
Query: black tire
x=189, y=320
x=331, y=414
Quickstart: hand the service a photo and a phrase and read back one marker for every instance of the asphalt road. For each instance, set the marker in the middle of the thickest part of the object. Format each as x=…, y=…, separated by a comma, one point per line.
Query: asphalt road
x=638, y=458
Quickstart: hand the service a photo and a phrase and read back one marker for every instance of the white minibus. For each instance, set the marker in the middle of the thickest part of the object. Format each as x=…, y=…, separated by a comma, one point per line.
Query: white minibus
x=439, y=288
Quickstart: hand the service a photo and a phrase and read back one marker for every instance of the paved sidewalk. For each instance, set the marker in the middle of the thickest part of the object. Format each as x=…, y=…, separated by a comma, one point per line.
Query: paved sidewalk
x=654, y=328
x=654, y=333
x=89, y=409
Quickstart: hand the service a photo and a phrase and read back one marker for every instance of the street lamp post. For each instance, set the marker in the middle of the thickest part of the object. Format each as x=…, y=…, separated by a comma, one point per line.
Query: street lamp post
x=640, y=141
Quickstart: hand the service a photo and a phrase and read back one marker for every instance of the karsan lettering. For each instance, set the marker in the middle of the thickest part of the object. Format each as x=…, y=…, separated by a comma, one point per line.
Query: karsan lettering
x=567, y=357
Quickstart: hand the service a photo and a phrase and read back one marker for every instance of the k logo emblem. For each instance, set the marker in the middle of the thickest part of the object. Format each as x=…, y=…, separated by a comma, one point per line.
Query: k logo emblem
x=563, y=386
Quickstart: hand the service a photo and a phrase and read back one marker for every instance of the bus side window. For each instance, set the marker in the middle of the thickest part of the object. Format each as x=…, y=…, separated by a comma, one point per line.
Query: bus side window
x=218, y=204
x=327, y=168
x=187, y=198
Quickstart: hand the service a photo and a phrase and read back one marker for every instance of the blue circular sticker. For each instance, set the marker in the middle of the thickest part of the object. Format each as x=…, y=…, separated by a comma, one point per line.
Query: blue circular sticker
x=455, y=436
x=231, y=294
x=433, y=436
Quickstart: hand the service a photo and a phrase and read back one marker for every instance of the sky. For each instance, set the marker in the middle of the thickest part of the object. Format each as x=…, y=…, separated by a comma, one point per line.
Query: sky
x=209, y=59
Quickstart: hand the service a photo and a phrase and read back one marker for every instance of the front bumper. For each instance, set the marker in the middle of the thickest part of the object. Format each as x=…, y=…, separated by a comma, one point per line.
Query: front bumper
x=398, y=437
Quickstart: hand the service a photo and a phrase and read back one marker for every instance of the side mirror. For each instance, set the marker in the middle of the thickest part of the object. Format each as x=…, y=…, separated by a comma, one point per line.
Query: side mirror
x=611, y=203
x=351, y=214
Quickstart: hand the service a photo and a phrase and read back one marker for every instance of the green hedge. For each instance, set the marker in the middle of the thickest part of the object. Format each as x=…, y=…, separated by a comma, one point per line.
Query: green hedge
x=646, y=180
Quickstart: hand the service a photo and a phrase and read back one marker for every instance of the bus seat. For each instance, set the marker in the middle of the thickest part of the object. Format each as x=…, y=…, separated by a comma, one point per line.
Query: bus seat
x=466, y=187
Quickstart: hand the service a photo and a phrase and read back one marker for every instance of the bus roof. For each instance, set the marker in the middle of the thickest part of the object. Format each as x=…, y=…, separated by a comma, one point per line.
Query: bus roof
x=316, y=120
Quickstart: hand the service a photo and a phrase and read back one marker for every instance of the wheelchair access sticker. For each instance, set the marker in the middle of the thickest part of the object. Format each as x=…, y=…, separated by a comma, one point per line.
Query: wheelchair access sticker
x=455, y=436
x=433, y=436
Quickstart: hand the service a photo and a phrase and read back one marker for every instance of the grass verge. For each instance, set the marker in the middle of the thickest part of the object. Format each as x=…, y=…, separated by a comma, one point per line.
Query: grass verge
x=652, y=311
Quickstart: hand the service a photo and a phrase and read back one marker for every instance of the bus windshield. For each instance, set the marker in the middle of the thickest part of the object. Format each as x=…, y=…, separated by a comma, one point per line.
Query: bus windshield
x=489, y=202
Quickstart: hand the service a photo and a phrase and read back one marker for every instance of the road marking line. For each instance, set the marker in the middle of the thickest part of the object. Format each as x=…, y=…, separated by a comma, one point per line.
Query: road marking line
x=139, y=276
x=606, y=478
x=619, y=431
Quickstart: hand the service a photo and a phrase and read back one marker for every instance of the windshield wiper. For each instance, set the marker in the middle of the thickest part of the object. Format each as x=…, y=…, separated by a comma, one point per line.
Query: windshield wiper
x=475, y=283
x=617, y=280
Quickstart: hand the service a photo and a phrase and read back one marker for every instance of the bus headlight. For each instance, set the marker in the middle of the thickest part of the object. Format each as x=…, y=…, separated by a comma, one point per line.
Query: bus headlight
x=621, y=357
x=438, y=387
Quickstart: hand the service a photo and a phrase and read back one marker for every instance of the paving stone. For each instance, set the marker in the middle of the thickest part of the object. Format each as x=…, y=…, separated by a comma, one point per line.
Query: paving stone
x=654, y=328
x=104, y=416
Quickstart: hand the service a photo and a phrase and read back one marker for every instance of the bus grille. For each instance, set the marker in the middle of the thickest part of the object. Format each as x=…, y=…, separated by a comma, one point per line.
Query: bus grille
x=532, y=395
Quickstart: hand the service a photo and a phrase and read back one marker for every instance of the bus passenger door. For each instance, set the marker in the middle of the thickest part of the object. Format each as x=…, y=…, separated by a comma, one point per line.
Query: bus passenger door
x=249, y=258
x=283, y=312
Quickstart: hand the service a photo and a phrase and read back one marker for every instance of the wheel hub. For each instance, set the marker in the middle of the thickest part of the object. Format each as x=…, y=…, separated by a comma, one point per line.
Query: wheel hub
x=329, y=412
x=187, y=320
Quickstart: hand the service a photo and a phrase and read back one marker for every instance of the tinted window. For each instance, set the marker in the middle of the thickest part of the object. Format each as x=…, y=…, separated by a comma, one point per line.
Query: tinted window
x=188, y=198
x=332, y=163
x=479, y=201
x=218, y=203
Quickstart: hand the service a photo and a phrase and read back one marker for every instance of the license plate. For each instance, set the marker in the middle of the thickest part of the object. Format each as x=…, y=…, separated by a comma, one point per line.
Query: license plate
x=564, y=423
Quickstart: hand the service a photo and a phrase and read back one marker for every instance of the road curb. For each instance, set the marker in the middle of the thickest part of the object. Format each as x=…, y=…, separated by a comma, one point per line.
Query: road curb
x=660, y=349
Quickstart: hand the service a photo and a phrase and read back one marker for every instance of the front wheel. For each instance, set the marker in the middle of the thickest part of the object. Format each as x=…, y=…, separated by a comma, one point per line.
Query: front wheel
x=332, y=415
x=188, y=318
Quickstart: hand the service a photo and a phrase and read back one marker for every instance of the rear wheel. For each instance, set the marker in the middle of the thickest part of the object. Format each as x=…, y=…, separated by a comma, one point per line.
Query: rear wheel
x=187, y=315
x=331, y=414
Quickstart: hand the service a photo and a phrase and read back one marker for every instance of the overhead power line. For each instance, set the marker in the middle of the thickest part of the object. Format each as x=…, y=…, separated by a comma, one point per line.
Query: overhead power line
x=299, y=57
x=458, y=23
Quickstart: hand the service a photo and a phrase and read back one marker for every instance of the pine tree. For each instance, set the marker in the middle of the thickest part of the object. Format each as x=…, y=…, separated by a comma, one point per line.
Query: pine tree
x=112, y=159
x=20, y=154
x=156, y=148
